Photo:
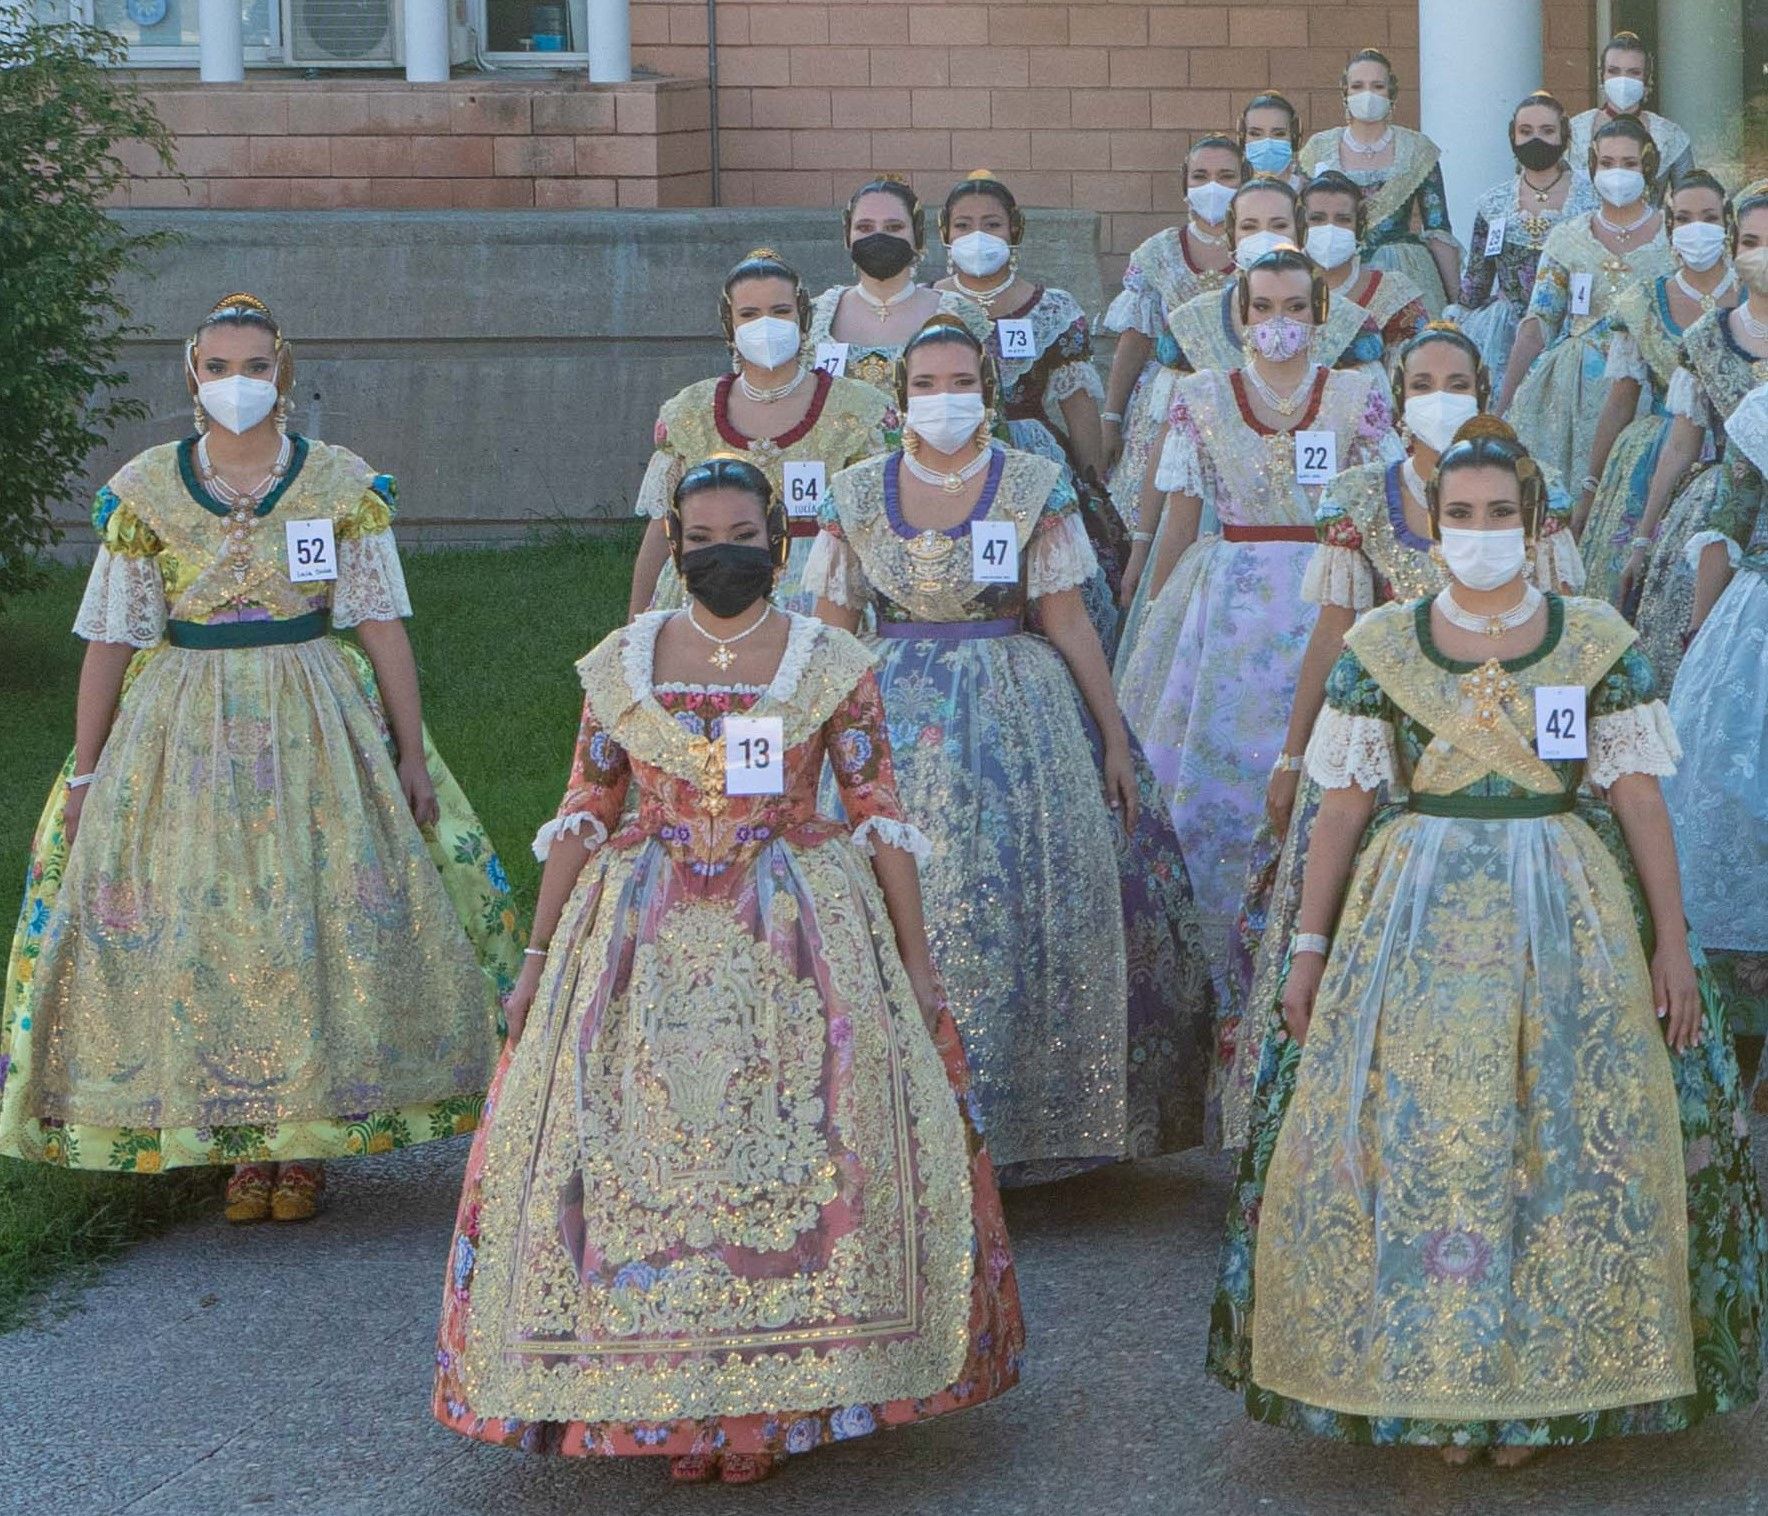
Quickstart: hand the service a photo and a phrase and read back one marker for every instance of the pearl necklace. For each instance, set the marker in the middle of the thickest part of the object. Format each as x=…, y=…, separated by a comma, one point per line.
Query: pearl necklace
x=1490, y=626
x=1625, y=233
x=884, y=308
x=721, y=657
x=950, y=483
x=1380, y=145
x=1196, y=233
x=242, y=514
x=1283, y=405
x=984, y=298
x=1710, y=301
x=1756, y=330
x=778, y=392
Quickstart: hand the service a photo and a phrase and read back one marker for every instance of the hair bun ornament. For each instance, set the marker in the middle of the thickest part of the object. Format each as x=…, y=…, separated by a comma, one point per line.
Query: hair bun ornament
x=240, y=298
x=756, y=253
x=1443, y=324
x=980, y=173
x=1486, y=425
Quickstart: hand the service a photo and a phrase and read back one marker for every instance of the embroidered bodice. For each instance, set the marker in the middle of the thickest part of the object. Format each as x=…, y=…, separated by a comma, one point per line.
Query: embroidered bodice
x=875, y=363
x=1032, y=389
x=1572, y=249
x=1208, y=337
x=1510, y=273
x=1160, y=278
x=1412, y=183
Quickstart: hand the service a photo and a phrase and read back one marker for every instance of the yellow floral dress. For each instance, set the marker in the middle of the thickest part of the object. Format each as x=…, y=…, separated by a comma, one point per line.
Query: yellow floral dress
x=252, y=953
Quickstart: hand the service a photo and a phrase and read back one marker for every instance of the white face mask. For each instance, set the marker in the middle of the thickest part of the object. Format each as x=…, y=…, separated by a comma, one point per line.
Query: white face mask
x=237, y=403
x=1619, y=186
x=1624, y=93
x=1210, y=202
x=946, y=422
x=980, y=254
x=1250, y=248
x=1329, y=246
x=768, y=341
x=1435, y=418
x=1366, y=105
x=1484, y=560
x=1699, y=244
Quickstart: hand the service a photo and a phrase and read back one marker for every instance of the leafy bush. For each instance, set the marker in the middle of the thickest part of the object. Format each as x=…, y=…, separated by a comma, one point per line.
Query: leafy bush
x=63, y=115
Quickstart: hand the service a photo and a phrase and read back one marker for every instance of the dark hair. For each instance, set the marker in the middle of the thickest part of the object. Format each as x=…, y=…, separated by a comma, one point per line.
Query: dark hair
x=1542, y=97
x=721, y=472
x=982, y=182
x=1751, y=198
x=1635, y=131
x=1370, y=55
x=1332, y=181
x=1220, y=141
x=1487, y=442
x=1271, y=100
x=762, y=263
x=1286, y=260
x=1627, y=42
x=940, y=330
x=1444, y=332
x=888, y=184
x=1262, y=182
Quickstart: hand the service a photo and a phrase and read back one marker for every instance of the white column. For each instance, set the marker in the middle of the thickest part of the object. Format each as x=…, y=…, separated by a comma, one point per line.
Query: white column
x=1475, y=62
x=1700, y=74
x=221, y=45
x=426, y=41
x=610, y=42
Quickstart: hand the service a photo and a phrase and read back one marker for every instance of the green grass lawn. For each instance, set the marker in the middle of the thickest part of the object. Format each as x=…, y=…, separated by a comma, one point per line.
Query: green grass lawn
x=496, y=633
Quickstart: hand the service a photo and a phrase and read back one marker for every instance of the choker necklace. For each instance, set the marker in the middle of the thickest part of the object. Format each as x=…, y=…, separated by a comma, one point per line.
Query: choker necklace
x=1380, y=145
x=721, y=657
x=778, y=392
x=1710, y=301
x=1197, y=234
x=1756, y=330
x=1625, y=233
x=1539, y=193
x=985, y=299
x=950, y=483
x=883, y=308
x=1490, y=626
x=1284, y=405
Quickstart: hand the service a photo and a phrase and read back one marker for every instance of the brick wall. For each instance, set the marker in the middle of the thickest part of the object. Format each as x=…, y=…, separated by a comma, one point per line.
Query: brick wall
x=285, y=143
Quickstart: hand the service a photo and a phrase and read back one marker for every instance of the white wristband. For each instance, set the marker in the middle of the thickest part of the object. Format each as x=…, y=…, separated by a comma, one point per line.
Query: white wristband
x=80, y=781
x=1309, y=942
x=1287, y=763
x=1114, y=417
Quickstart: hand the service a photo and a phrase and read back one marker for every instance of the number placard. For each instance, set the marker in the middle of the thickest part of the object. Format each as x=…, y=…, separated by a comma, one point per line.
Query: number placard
x=1316, y=457
x=1582, y=287
x=994, y=552
x=313, y=550
x=805, y=484
x=831, y=358
x=1560, y=730
x=754, y=755
x=1017, y=339
x=1495, y=236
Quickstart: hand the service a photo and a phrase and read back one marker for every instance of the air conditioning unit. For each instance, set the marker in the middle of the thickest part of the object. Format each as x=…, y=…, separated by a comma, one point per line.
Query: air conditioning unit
x=343, y=33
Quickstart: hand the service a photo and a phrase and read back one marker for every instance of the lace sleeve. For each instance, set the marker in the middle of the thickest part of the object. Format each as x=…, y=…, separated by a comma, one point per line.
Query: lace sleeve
x=859, y=755
x=657, y=488
x=1346, y=749
x=600, y=775
x=371, y=583
x=1060, y=555
x=1683, y=398
x=832, y=572
x=1625, y=361
x=1701, y=541
x=125, y=601
x=1180, y=470
x=1075, y=379
x=1638, y=740
x=1559, y=566
x=1137, y=308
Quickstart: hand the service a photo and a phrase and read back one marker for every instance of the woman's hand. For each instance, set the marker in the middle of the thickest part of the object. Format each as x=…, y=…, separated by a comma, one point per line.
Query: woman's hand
x=1676, y=993
x=1280, y=798
x=1110, y=445
x=420, y=793
x=520, y=999
x=1132, y=574
x=1631, y=580
x=1120, y=785
x=1305, y=972
x=70, y=816
x=929, y=996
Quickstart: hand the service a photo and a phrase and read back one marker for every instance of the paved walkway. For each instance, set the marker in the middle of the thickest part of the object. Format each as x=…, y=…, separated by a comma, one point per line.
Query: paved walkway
x=281, y=1371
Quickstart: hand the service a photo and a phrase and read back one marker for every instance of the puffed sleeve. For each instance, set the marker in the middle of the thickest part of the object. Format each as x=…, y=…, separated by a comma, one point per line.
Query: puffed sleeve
x=125, y=599
x=859, y=754
x=371, y=583
x=1551, y=295
x=1683, y=398
x=1339, y=573
x=1181, y=468
x=1625, y=361
x=600, y=774
x=1630, y=727
x=1433, y=207
x=833, y=570
x=1075, y=375
x=1559, y=566
x=1059, y=556
x=1353, y=738
x=662, y=474
x=1138, y=306
x=1375, y=440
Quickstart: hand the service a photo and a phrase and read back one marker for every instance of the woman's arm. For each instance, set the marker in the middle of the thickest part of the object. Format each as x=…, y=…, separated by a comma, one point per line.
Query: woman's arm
x=557, y=879
x=1181, y=517
x=1617, y=411
x=844, y=616
x=1677, y=456
x=1080, y=411
x=1482, y=272
x=1448, y=264
x=101, y=682
x=1150, y=502
x=1710, y=582
x=1134, y=348
x=900, y=881
x=653, y=553
x=395, y=672
x=1638, y=804
x=1332, y=849
x=1531, y=342
x=1065, y=622
x=1324, y=646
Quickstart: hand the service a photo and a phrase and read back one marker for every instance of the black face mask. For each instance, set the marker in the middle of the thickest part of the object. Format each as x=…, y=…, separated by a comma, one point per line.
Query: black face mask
x=728, y=577
x=1537, y=154
x=882, y=255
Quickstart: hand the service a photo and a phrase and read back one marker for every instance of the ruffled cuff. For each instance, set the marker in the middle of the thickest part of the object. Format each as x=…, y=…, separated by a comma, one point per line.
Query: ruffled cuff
x=1061, y=557
x=1638, y=740
x=1346, y=750
x=662, y=474
x=1180, y=470
x=911, y=839
x=1625, y=361
x=371, y=583
x=1339, y=576
x=1075, y=379
x=1136, y=309
x=570, y=825
x=1701, y=541
x=125, y=601
x=832, y=572
x=1558, y=563
x=1683, y=398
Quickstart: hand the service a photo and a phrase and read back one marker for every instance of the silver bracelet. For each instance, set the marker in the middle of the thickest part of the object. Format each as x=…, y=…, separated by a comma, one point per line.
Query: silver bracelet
x=1637, y=545
x=1115, y=417
x=1288, y=763
x=531, y=952
x=1309, y=942
x=80, y=781
x=1591, y=484
x=1141, y=537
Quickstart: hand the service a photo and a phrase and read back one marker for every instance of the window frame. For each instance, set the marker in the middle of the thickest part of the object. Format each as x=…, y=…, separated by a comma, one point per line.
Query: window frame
x=266, y=54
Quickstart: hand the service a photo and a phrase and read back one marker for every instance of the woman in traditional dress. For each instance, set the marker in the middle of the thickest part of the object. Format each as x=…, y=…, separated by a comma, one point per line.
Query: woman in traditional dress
x=1210, y=678
x=1333, y=214
x=1511, y=223
x=1724, y=357
x=1059, y=906
x=728, y=1204
x=280, y=935
x=1374, y=547
x=1484, y=1205
x=798, y=424
x=1644, y=354
x=1585, y=267
x=1408, y=212
x=1626, y=81
x=1270, y=137
x=1170, y=268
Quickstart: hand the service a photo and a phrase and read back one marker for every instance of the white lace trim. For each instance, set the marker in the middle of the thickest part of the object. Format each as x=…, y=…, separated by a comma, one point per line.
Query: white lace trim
x=1061, y=558
x=1558, y=563
x=125, y=601
x=1638, y=740
x=571, y=825
x=1339, y=576
x=833, y=572
x=1747, y=426
x=1701, y=541
x=1625, y=361
x=1075, y=379
x=371, y=582
x=638, y=653
x=662, y=474
x=1683, y=398
x=1181, y=470
x=1136, y=308
x=1347, y=749
x=911, y=839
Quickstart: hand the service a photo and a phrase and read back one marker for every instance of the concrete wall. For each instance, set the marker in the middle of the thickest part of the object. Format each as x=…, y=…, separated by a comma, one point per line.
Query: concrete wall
x=507, y=365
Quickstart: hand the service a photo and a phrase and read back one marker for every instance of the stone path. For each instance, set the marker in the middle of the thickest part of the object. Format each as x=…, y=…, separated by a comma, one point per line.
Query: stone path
x=277, y=1371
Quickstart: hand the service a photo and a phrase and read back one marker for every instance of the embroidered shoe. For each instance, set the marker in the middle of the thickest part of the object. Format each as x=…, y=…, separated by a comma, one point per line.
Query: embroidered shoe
x=694, y=1468
x=297, y=1192
x=248, y=1193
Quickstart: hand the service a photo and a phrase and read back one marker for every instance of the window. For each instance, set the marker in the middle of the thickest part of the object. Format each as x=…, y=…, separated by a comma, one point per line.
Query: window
x=541, y=30
x=164, y=31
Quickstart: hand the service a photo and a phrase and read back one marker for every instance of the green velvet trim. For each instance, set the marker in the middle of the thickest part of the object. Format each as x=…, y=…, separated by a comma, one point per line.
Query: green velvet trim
x=207, y=636
x=187, y=472
x=1492, y=807
x=1555, y=630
